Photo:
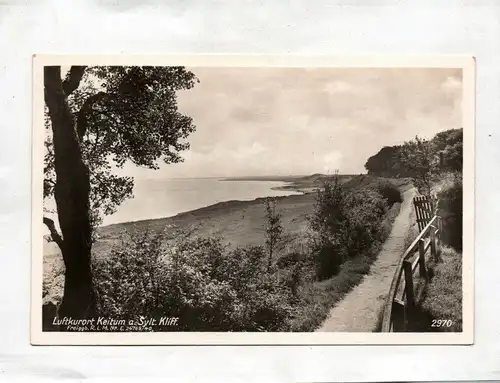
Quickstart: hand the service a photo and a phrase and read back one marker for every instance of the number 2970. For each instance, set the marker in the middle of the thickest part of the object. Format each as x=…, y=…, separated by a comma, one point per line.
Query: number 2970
x=441, y=323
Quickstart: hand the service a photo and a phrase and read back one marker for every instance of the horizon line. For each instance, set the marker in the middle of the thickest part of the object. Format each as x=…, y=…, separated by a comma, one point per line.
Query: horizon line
x=255, y=176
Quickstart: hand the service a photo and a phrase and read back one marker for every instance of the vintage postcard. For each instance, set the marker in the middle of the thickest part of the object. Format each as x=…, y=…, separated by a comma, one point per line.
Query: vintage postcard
x=253, y=200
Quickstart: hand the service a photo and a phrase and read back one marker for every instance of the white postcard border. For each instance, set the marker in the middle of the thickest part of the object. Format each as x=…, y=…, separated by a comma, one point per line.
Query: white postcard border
x=467, y=63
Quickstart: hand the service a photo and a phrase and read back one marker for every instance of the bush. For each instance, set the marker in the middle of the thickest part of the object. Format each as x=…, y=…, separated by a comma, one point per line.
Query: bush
x=329, y=258
x=366, y=209
x=196, y=279
x=387, y=190
x=329, y=224
x=348, y=222
x=127, y=280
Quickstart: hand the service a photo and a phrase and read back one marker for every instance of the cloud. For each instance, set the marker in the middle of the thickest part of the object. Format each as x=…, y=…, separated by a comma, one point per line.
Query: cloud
x=247, y=114
x=303, y=121
x=249, y=152
x=332, y=162
x=451, y=84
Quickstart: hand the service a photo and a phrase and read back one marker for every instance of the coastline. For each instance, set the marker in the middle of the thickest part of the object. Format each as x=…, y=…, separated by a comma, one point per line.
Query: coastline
x=305, y=185
x=239, y=222
x=298, y=183
x=211, y=212
x=292, y=183
x=184, y=218
x=265, y=178
x=295, y=187
x=228, y=204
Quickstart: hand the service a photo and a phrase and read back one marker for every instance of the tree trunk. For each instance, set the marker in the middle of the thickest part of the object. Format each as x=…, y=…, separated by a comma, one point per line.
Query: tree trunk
x=72, y=199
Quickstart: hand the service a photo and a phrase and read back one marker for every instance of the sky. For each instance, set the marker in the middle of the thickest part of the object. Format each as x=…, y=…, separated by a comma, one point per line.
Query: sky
x=299, y=121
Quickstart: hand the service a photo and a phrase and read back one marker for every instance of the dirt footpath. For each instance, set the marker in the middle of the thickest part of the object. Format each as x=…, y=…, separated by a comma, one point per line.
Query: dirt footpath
x=360, y=309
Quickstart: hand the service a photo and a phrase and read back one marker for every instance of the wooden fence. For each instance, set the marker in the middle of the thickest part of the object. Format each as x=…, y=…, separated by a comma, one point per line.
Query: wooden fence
x=411, y=274
x=424, y=210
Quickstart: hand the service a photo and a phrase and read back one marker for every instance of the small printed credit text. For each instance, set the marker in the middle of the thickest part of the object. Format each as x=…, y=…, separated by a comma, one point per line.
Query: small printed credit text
x=112, y=324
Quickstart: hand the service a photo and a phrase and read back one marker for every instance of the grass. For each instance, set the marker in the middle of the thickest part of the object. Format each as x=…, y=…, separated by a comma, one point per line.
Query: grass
x=318, y=298
x=443, y=295
x=442, y=298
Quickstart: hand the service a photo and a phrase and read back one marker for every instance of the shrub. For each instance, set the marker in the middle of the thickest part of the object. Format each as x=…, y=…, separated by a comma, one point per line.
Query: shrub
x=53, y=279
x=387, y=190
x=366, y=212
x=289, y=260
x=329, y=224
x=127, y=280
x=196, y=279
x=347, y=222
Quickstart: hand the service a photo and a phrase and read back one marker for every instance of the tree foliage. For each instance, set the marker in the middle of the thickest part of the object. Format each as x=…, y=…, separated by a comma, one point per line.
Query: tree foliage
x=423, y=160
x=386, y=163
x=448, y=146
x=124, y=114
x=97, y=119
x=419, y=158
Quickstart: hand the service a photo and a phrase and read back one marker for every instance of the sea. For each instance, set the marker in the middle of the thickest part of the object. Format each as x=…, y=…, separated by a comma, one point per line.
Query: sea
x=160, y=198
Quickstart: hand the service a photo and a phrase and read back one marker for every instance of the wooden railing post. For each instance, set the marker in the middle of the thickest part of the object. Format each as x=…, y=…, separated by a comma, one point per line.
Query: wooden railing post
x=421, y=258
x=398, y=317
x=433, y=242
x=400, y=310
x=410, y=296
x=440, y=231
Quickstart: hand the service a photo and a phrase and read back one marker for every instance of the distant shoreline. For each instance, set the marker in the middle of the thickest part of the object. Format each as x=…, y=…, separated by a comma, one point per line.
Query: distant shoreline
x=218, y=207
x=305, y=185
x=190, y=217
x=299, y=183
x=292, y=182
x=264, y=178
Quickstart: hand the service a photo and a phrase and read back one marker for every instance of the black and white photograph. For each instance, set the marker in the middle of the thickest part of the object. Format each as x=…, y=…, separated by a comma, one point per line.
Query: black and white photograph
x=325, y=200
